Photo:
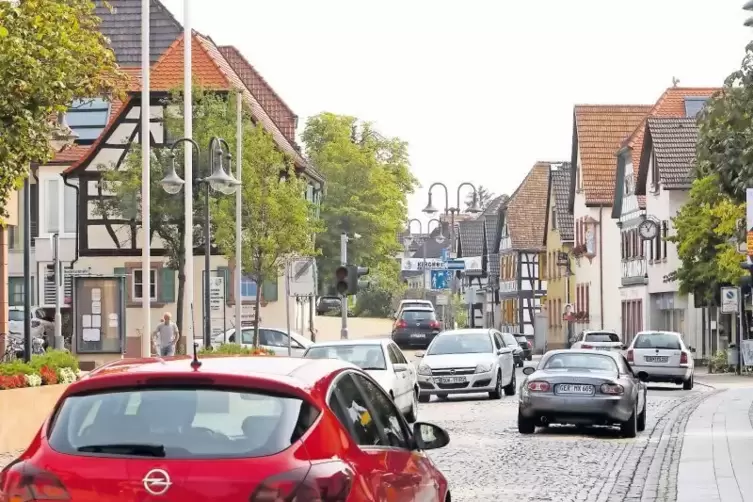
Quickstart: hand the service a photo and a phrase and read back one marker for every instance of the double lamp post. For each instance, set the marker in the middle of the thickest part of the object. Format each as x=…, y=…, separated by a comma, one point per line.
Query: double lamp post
x=217, y=179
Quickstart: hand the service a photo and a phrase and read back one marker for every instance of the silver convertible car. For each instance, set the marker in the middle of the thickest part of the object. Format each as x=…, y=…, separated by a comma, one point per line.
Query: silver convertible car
x=582, y=387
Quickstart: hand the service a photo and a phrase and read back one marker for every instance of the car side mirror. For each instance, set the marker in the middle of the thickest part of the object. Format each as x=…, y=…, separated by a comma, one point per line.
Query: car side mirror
x=399, y=368
x=643, y=377
x=528, y=370
x=624, y=347
x=419, y=354
x=430, y=436
x=691, y=349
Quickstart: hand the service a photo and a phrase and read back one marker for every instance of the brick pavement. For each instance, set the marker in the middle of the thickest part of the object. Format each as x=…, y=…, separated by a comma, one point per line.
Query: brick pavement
x=717, y=456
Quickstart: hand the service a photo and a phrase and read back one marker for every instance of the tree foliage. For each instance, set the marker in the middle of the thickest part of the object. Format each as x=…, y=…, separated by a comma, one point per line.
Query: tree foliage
x=484, y=198
x=278, y=222
x=51, y=53
x=705, y=231
x=368, y=181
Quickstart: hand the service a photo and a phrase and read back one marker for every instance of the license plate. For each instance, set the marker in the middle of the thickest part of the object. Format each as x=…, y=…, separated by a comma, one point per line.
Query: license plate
x=451, y=380
x=566, y=388
x=418, y=335
x=603, y=348
x=656, y=359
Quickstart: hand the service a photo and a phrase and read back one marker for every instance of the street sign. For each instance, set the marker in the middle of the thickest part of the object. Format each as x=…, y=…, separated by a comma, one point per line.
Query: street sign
x=302, y=277
x=441, y=300
x=216, y=305
x=456, y=265
x=440, y=279
x=445, y=254
x=730, y=300
x=418, y=264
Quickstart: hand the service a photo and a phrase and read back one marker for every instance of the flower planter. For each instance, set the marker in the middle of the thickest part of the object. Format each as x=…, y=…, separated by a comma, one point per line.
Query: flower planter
x=22, y=412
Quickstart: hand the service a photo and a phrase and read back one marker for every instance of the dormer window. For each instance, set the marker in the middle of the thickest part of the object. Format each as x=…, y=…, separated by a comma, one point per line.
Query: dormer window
x=88, y=118
x=694, y=105
x=554, y=218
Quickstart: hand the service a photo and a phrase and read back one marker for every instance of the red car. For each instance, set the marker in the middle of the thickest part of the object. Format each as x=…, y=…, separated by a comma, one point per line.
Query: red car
x=245, y=429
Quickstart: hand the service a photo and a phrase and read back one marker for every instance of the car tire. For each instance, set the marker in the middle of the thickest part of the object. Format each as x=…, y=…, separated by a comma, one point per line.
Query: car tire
x=424, y=398
x=629, y=428
x=498, y=390
x=688, y=384
x=641, y=426
x=412, y=414
x=511, y=387
x=525, y=425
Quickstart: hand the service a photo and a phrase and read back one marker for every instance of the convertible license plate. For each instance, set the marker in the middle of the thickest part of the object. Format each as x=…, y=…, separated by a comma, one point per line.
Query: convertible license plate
x=656, y=359
x=567, y=388
x=418, y=335
x=451, y=380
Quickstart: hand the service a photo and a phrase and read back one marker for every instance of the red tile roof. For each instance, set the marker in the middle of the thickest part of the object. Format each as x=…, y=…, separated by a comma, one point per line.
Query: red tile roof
x=601, y=129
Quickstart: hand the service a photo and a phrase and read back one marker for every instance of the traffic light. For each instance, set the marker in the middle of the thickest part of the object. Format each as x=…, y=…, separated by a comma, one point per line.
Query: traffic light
x=341, y=280
x=746, y=283
x=354, y=274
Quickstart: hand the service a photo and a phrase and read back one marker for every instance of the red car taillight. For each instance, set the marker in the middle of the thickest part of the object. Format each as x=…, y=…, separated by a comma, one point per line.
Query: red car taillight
x=539, y=386
x=323, y=482
x=23, y=482
x=684, y=358
x=434, y=324
x=401, y=324
x=630, y=356
x=612, y=389
x=586, y=346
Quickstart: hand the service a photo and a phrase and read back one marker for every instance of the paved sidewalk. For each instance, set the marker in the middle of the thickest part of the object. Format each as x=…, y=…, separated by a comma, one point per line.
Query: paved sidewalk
x=716, y=464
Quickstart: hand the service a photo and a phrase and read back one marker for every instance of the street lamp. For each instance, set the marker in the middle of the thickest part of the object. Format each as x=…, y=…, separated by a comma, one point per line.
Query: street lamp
x=749, y=7
x=430, y=210
x=218, y=180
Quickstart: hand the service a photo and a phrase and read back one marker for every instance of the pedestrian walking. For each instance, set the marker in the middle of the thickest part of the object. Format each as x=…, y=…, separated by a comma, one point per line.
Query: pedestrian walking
x=166, y=336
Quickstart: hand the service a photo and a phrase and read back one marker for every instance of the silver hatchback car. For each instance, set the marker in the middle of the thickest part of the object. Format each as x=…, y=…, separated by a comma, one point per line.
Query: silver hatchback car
x=582, y=387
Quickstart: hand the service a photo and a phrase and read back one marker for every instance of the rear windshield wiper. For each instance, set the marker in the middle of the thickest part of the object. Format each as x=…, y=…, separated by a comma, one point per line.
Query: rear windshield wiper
x=141, y=450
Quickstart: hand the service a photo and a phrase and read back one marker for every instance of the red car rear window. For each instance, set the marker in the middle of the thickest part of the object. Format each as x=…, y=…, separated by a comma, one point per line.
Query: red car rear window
x=180, y=423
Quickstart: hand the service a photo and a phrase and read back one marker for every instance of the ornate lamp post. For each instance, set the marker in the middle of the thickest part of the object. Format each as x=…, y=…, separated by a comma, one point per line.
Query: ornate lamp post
x=217, y=179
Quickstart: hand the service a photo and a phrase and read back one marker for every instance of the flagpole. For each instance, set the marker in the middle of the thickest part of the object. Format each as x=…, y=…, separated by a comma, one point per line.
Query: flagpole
x=238, y=213
x=145, y=136
x=188, y=289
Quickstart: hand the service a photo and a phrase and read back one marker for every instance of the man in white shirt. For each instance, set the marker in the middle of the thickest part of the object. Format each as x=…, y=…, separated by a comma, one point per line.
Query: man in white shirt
x=166, y=336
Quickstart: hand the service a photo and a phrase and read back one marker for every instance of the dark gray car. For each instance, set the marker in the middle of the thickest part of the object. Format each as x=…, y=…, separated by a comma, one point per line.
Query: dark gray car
x=415, y=327
x=582, y=387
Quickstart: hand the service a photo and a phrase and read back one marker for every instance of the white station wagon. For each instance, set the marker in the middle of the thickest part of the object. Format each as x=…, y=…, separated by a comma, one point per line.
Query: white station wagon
x=662, y=356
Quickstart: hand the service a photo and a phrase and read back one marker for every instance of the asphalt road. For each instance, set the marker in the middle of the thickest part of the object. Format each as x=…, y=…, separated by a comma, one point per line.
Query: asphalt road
x=488, y=460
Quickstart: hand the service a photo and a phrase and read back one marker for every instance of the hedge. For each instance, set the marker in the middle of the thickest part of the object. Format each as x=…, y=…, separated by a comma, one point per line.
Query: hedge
x=236, y=349
x=50, y=368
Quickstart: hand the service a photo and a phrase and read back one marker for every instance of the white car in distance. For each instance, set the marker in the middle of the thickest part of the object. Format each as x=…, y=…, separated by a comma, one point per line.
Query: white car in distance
x=383, y=361
x=404, y=304
x=662, y=356
x=598, y=340
x=467, y=361
x=272, y=339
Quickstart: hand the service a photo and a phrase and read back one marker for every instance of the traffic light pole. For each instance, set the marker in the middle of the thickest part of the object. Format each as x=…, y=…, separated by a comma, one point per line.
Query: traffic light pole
x=344, y=297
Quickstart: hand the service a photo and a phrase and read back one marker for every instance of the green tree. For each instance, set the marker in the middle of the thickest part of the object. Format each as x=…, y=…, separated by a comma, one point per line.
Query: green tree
x=51, y=53
x=484, y=198
x=706, y=230
x=368, y=181
x=278, y=222
x=726, y=132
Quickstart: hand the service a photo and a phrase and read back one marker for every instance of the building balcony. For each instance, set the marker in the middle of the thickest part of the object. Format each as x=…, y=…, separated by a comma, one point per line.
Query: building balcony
x=634, y=271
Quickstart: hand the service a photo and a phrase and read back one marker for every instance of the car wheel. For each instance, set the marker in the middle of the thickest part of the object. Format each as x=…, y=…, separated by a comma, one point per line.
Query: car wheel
x=424, y=398
x=412, y=414
x=688, y=384
x=525, y=425
x=641, y=426
x=629, y=427
x=511, y=387
x=497, y=392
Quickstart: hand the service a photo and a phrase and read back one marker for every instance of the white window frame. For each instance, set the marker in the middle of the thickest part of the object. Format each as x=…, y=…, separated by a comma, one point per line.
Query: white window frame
x=42, y=209
x=152, y=272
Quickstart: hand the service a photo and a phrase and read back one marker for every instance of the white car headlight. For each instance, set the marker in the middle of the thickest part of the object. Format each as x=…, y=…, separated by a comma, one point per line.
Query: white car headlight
x=424, y=370
x=483, y=368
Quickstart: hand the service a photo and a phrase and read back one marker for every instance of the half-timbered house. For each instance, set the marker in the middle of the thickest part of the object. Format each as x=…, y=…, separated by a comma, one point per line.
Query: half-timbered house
x=521, y=249
x=629, y=209
x=69, y=187
x=471, y=244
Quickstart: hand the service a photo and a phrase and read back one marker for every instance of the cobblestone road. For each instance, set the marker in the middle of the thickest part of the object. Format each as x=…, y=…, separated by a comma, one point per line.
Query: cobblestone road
x=488, y=460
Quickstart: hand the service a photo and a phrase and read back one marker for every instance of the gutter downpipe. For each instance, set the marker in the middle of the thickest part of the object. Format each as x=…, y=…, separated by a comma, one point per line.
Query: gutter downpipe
x=601, y=265
x=78, y=222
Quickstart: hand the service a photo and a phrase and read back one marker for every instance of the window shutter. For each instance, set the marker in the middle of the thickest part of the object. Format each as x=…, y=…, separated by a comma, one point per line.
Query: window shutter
x=269, y=290
x=224, y=272
x=166, y=286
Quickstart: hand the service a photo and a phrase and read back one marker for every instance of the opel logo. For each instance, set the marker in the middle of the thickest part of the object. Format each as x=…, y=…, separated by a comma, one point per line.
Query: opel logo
x=452, y=372
x=157, y=482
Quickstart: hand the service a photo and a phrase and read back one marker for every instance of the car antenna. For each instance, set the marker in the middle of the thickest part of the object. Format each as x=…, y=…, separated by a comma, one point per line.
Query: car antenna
x=195, y=363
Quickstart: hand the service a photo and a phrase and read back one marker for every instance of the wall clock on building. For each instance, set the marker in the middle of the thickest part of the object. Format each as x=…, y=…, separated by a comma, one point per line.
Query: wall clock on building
x=648, y=230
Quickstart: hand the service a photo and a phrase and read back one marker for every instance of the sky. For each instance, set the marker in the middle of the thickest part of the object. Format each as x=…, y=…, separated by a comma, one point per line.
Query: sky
x=480, y=89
